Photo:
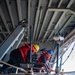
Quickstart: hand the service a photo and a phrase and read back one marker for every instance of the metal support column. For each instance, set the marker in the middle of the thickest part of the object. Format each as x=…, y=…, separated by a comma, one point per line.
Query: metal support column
x=31, y=36
x=57, y=63
x=58, y=39
x=58, y=46
x=29, y=65
x=61, y=63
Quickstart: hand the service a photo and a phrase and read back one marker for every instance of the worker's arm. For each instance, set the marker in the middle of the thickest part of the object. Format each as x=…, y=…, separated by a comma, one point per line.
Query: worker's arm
x=51, y=70
x=43, y=58
x=48, y=67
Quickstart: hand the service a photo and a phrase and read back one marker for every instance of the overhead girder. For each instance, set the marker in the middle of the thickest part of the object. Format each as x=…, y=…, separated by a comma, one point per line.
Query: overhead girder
x=54, y=15
x=56, y=10
x=10, y=12
x=19, y=9
x=4, y=20
x=37, y=16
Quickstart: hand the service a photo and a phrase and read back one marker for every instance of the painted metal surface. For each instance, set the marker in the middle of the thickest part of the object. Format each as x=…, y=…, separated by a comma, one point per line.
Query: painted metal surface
x=11, y=41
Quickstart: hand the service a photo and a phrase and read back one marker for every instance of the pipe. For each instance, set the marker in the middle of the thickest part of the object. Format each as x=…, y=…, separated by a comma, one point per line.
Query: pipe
x=31, y=36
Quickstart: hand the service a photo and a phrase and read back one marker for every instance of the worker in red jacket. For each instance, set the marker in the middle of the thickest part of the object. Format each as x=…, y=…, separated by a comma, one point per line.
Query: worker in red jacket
x=21, y=55
x=43, y=59
x=45, y=56
x=25, y=51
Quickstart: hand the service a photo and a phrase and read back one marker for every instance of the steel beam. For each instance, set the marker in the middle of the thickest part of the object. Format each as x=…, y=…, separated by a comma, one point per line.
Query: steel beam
x=55, y=14
x=50, y=2
x=60, y=3
x=10, y=41
x=9, y=9
x=16, y=44
x=57, y=10
x=70, y=3
x=65, y=10
x=38, y=24
x=43, y=25
x=29, y=4
x=69, y=41
x=36, y=20
x=4, y=20
x=63, y=15
x=71, y=33
x=18, y=41
x=67, y=23
x=19, y=9
x=61, y=10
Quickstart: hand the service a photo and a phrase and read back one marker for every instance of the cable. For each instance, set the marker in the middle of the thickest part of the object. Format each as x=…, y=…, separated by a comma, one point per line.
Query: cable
x=63, y=53
x=69, y=54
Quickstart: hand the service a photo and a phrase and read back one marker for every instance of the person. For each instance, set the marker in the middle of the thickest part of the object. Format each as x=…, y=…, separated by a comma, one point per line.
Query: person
x=41, y=51
x=21, y=55
x=35, y=56
x=44, y=50
x=42, y=60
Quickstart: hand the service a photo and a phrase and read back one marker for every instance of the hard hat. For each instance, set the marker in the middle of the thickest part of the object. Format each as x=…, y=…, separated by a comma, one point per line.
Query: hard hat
x=50, y=51
x=44, y=49
x=36, y=47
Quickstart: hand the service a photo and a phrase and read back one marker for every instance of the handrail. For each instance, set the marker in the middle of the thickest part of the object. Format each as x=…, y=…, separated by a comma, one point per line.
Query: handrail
x=17, y=68
x=23, y=70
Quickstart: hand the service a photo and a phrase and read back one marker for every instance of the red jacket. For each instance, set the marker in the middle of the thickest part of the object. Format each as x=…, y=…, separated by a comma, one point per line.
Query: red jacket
x=41, y=58
x=24, y=50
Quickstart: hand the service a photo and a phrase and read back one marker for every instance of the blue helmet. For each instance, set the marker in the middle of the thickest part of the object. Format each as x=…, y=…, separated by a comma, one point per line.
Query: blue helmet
x=50, y=51
x=44, y=49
